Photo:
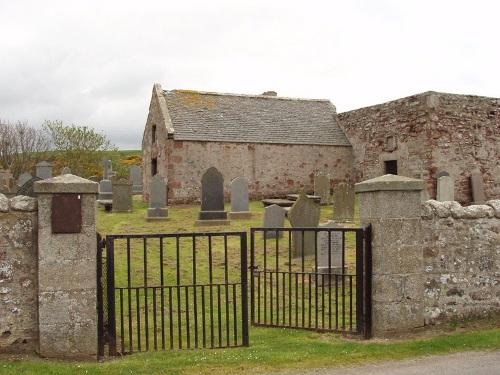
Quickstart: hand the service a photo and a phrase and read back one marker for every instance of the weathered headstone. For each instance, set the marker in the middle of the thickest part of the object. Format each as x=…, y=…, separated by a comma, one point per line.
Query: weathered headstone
x=477, y=184
x=445, y=190
x=66, y=170
x=304, y=214
x=330, y=249
x=274, y=217
x=106, y=186
x=28, y=188
x=343, y=203
x=43, y=170
x=212, y=199
x=239, y=200
x=106, y=163
x=157, y=210
x=135, y=173
x=122, y=195
x=322, y=187
x=23, y=178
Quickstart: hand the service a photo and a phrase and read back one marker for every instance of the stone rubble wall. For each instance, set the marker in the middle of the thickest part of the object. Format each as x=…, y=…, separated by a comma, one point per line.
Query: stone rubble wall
x=18, y=274
x=461, y=260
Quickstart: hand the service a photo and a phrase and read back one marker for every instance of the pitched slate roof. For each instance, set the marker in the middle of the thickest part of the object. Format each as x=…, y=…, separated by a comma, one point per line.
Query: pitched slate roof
x=208, y=116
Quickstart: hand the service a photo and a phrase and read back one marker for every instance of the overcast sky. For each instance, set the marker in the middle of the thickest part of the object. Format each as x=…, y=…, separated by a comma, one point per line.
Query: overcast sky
x=94, y=63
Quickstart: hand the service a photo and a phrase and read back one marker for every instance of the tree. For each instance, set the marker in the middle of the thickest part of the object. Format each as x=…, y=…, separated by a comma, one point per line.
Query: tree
x=22, y=147
x=80, y=148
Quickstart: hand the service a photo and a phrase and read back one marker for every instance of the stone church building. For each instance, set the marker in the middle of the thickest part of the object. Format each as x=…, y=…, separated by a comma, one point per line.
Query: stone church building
x=277, y=144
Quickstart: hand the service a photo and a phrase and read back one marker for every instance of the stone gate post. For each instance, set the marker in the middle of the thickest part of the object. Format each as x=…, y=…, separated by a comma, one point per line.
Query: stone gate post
x=67, y=267
x=392, y=205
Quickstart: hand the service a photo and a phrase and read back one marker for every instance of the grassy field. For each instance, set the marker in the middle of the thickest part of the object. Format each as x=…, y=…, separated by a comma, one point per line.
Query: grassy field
x=271, y=349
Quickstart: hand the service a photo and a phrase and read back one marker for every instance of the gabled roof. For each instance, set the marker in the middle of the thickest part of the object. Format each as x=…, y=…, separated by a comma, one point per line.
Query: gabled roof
x=208, y=116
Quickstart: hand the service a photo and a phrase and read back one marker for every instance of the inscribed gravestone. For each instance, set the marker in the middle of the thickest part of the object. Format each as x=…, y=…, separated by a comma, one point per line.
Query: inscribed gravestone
x=343, y=203
x=477, y=184
x=23, y=178
x=322, y=187
x=212, y=198
x=445, y=190
x=304, y=214
x=330, y=249
x=274, y=217
x=122, y=195
x=158, y=199
x=43, y=170
x=239, y=199
x=135, y=173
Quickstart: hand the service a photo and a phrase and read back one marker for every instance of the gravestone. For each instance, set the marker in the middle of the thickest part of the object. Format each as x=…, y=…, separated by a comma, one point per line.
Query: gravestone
x=122, y=195
x=212, y=199
x=239, y=200
x=330, y=249
x=445, y=190
x=28, y=188
x=66, y=170
x=23, y=178
x=274, y=217
x=43, y=170
x=477, y=184
x=304, y=214
x=322, y=187
x=135, y=173
x=105, y=186
x=343, y=203
x=440, y=174
x=157, y=210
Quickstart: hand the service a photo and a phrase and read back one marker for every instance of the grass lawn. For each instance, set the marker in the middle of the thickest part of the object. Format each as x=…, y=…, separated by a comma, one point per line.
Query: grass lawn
x=271, y=349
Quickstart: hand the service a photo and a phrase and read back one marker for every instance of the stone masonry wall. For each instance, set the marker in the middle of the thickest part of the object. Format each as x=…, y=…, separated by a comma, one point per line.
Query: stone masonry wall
x=461, y=260
x=428, y=133
x=271, y=170
x=18, y=274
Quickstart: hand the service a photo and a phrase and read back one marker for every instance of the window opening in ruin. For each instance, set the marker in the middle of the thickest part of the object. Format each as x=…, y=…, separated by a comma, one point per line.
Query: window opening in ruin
x=153, y=136
x=154, y=167
x=391, y=167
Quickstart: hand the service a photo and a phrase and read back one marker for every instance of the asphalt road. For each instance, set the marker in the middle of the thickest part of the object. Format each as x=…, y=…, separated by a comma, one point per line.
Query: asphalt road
x=466, y=363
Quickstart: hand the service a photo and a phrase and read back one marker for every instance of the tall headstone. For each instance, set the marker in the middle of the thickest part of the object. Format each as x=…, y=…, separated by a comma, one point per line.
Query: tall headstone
x=330, y=250
x=157, y=210
x=23, y=178
x=304, y=214
x=239, y=200
x=212, y=199
x=343, y=203
x=105, y=186
x=477, y=184
x=445, y=190
x=135, y=173
x=43, y=170
x=274, y=217
x=122, y=195
x=66, y=170
x=322, y=187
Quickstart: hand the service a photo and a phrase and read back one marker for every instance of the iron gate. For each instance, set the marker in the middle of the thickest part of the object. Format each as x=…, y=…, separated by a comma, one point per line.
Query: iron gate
x=166, y=291
x=312, y=278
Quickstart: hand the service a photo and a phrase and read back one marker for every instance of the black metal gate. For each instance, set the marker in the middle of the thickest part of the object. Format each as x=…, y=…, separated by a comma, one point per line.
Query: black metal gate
x=312, y=278
x=167, y=291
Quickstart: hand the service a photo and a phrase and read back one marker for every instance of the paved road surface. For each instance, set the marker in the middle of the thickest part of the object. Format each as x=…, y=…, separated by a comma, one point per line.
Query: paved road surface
x=467, y=363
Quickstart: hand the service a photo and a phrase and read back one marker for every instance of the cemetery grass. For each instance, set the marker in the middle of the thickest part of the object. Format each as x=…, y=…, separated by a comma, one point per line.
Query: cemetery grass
x=271, y=349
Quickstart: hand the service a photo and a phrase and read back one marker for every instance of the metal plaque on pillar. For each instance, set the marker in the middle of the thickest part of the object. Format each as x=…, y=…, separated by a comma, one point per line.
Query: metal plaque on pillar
x=66, y=213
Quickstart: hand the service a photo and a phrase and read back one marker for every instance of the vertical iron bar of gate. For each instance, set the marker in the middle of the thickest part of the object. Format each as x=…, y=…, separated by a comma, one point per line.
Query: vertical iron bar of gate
x=100, y=308
x=368, y=282
x=359, y=282
x=110, y=273
x=244, y=290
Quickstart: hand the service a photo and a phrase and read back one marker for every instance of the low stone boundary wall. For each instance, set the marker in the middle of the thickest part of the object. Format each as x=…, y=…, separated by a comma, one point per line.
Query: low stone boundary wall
x=461, y=260
x=18, y=274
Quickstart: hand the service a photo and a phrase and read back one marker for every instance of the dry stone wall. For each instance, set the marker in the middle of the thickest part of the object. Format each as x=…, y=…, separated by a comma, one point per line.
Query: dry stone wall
x=461, y=260
x=428, y=133
x=18, y=274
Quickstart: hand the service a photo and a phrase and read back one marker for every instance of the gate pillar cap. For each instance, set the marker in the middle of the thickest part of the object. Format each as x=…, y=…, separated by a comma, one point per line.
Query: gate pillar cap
x=389, y=182
x=67, y=183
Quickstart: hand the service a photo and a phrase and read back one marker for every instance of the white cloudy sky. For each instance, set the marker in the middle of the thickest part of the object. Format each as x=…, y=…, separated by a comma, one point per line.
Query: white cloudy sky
x=94, y=63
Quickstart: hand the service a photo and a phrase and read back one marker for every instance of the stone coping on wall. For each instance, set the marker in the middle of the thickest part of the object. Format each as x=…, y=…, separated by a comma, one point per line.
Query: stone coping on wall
x=18, y=203
x=389, y=182
x=67, y=183
x=434, y=209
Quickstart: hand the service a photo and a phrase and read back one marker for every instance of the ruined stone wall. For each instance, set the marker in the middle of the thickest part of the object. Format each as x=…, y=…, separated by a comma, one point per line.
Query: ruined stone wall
x=461, y=260
x=271, y=170
x=428, y=133
x=18, y=274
